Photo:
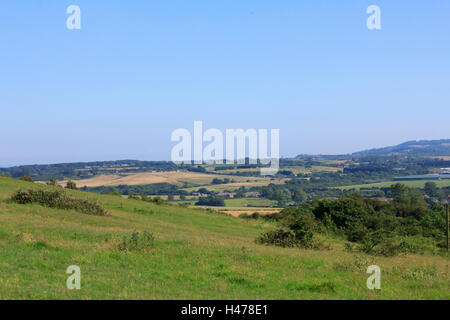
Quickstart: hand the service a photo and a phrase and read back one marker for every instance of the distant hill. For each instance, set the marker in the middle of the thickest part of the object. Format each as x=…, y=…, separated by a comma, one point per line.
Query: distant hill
x=413, y=148
x=416, y=148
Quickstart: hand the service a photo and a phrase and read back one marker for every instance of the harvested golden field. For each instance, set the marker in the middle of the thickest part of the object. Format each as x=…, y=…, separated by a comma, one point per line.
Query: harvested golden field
x=307, y=170
x=446, y=158
x=237, y=211
x=172, y=177
x=252, y=182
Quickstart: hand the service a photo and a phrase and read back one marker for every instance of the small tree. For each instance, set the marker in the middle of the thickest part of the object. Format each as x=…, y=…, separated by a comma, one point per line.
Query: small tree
x=27, y=179
x=431, y=189
x=71, y=185
x=52, y=183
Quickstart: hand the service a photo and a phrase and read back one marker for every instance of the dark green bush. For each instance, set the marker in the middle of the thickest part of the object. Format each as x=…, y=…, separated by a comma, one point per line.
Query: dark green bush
x=279, y=237
x=52, y=183
x=26, y=178
x=254, y=215
x=57, y=199
x=71, y=185
x=297, y=236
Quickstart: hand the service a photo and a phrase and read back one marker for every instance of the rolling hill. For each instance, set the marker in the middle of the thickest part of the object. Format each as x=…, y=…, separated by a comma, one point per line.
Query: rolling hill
x=196, y=254
x=415, y=148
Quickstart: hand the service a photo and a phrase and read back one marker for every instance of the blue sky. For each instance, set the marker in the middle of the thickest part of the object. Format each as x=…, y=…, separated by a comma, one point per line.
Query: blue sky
x=137, y=70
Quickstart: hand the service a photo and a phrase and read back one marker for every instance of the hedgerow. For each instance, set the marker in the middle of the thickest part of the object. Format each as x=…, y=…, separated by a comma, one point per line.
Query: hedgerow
x=57, y=199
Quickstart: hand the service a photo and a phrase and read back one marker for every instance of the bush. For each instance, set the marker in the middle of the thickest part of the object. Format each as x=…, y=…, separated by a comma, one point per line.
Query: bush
x=137, y=241
x=52, y=183
x=58, y=200
x=71, y=185
x=357, y=232
x=254, y=215
x=279, y=237
x=211, y=201
x=300, y=238
x=26, y=178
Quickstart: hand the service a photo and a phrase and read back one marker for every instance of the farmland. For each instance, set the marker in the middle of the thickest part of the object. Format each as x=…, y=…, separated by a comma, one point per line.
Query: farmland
x=178, y=178
x=387, y=184
x=212, y=255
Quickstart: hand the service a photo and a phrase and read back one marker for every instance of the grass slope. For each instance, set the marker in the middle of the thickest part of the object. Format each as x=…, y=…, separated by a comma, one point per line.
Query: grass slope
x=197, y=255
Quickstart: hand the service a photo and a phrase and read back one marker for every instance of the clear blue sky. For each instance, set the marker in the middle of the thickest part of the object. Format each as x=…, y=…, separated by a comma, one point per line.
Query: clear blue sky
x=137, y=70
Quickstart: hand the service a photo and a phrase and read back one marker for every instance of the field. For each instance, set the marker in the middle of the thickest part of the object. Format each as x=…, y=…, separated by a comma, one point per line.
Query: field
x=307, y=170
x=196, y=255
x=294, y=169
x=252, y=182
x=178, y=178
x=250, y=202
x=387, y=184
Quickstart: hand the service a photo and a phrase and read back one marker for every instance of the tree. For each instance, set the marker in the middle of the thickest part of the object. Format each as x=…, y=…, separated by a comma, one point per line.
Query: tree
x=408, y=202
x=299, y=196
x=398, y=190
x=211, y=201
x=71, y=185
x=52, y=183
x=431, y=189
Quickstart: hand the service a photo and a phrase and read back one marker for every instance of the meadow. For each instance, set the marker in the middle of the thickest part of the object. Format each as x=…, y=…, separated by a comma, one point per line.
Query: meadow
x=196, y=254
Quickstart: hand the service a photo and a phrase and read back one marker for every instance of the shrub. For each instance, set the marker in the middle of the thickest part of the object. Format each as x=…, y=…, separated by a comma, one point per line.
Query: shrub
x=52, y=183
x=211, y=200
x=57, y=199
x=357, y=232
x=26, y=178
x=156, y=200
x=254, y=215
x=300, y=238
x=279, y=237
x=137, y=241
x=71, y=185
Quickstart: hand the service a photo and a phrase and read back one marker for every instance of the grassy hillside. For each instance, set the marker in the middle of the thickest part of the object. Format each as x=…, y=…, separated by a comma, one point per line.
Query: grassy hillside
x=422, y=147
x=196, y=255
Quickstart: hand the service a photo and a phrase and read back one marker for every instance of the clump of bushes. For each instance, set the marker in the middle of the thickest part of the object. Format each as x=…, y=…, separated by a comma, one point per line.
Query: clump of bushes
x=279, y=237
x=211, y=200
x=156, y=200
x=57, y=199
x=71, y=185
x=137, y=241
x=295, y=232
x=254, y=215
x=407, y=225
x=52, y=183
x=26, y=178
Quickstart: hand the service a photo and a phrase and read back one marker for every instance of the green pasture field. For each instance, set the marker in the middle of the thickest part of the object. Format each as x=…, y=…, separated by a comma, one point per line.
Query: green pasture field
x=196, y=255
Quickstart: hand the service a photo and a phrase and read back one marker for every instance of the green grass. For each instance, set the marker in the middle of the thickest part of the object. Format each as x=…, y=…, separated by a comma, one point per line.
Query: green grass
x=196, y=255
x=387, y=184
x=250, y=202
